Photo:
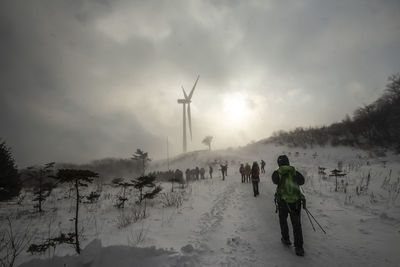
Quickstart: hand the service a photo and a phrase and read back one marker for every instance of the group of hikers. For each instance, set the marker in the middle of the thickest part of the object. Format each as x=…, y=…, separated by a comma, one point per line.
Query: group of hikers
x=247, y=172
x=191, y=174
x=195, y=174
x=252, y=173
x=288, y=198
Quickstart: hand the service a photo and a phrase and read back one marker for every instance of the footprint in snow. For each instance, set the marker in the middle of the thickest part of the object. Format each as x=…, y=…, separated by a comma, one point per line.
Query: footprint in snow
x=365, y=232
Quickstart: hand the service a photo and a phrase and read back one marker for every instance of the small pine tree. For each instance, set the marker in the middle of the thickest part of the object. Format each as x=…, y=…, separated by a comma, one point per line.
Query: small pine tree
x=146, y=181
x=10, y=184
x=93, y=197
x=42, y=189
x=79, y=178
x=143, y=157
x=116, y=181
x=122, y=198
x=337, y=173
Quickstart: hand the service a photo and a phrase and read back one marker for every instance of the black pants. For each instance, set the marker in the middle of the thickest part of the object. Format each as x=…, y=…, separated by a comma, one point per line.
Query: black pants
x=255, y=188
x=294, y=210
x=243, y=177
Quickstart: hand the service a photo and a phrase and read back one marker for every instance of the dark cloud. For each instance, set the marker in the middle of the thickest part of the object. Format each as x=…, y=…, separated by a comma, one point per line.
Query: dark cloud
x=87, y=79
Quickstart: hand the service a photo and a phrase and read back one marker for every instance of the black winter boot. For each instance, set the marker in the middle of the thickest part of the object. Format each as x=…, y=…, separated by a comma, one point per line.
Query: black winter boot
x=299, y=251
x=286, y=242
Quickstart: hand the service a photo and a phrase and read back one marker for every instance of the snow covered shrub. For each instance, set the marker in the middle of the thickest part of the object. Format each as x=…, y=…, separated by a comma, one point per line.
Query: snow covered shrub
x=364, y=184
x=63, y=238
x=138, y=212
x=172, y=199
x=128, y=216
x=393, y=189
x=135, y=237
x=125, y=219
x=93, y=197
x=21, y=197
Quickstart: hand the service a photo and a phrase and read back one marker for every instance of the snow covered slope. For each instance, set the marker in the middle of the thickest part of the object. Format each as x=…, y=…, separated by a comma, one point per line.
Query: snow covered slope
x=220, y=223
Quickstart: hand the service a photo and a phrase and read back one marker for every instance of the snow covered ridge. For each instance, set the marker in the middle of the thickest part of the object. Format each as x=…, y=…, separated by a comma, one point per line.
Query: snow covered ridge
x=220, y=223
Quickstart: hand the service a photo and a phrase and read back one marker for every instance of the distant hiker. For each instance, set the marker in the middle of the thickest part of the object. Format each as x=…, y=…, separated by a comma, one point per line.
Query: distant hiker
x=193, y=174
x=210, y=171
x=247, y=168
x=288, y=199
x=223, y=171
x=178, y=176
x=187, y=173
x=202, y=172
x=197, y=172
x=262, y=166
x=255, y=177
x=226, y=168
x=242, y=172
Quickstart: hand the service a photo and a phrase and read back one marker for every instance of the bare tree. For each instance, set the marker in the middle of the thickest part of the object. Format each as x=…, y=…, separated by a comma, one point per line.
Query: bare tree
x=12, y=243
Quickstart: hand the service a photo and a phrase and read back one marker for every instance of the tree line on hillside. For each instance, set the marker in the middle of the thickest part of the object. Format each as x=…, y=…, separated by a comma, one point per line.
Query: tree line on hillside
x=376, y=124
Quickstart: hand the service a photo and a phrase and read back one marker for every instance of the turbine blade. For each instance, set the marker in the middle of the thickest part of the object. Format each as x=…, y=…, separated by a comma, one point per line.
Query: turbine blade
x=190, y=121
x=184, y=93
x=191, y=92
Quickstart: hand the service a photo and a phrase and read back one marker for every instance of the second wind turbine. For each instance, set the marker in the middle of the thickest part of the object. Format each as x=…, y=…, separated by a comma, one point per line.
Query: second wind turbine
x=187, y=101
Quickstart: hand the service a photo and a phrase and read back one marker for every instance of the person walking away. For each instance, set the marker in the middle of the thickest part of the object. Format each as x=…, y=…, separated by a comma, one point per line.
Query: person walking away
x=178, y=176
x=262, y=166
x=288, y=199
x=202, y=172
x=223, y=171
x=210, y=171
x=255, y=177
x=187, y=173
x=242, y=173
x=247, y=169
x=197, y=172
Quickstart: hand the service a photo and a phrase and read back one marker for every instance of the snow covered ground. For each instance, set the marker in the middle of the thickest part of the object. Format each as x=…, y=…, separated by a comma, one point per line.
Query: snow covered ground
x=220, y=223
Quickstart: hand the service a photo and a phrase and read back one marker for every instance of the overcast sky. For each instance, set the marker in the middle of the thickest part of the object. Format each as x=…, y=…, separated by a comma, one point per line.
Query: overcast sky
x=83, y=80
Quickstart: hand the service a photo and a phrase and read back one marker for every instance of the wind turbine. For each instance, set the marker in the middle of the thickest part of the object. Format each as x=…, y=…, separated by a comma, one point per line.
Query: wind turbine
x=187, y=100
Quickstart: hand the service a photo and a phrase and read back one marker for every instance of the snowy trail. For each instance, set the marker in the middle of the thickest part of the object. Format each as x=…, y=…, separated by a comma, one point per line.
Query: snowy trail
x=221, y=223
x=240, y=230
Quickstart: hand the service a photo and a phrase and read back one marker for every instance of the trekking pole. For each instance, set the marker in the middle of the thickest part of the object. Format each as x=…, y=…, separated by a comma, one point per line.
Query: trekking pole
x=312, y=224
x=308, y=212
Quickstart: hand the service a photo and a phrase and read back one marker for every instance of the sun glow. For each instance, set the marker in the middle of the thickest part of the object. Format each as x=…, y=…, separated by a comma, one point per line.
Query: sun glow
x=236, y=108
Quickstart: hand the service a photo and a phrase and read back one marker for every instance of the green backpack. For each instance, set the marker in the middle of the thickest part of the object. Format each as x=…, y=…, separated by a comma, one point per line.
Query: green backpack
x=288, y=189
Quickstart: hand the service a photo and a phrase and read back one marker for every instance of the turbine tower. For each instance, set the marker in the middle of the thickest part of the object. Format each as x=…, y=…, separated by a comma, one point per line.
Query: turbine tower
x=187, y=101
